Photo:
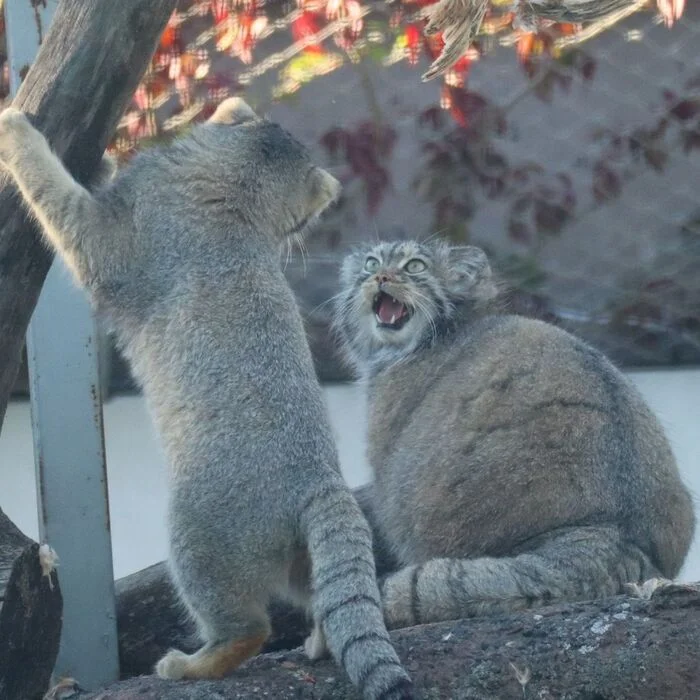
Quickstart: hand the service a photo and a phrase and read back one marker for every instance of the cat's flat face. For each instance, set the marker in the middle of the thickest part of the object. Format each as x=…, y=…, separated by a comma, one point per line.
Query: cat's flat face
x=398, y=295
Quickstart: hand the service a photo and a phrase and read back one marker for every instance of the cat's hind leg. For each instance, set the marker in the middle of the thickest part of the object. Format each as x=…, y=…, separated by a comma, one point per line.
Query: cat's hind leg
x=213, y=660
x=232, y=637
x=298, y=592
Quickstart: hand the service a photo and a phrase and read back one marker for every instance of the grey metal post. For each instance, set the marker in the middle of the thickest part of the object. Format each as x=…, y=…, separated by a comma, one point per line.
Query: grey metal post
x=64, y=381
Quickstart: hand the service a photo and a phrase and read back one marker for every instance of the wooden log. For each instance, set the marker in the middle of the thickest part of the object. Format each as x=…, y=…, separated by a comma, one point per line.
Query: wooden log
x=31, y=607
x=30, y=625
x=12, y=543
x=621, y=648
x=89, y=64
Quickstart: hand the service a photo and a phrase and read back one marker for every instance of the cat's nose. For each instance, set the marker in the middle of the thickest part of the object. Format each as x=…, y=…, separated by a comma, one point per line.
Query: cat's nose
x=384, y=277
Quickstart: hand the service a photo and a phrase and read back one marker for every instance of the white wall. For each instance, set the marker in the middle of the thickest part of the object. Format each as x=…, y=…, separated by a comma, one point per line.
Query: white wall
x=137, y=471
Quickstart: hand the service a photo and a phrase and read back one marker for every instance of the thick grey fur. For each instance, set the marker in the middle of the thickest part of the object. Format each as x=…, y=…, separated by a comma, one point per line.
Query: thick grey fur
x=180, y=253
x=514, y=464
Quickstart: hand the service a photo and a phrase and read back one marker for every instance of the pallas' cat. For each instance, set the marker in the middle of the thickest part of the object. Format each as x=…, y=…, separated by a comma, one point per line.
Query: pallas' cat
x=513, y=463
x=180, y=253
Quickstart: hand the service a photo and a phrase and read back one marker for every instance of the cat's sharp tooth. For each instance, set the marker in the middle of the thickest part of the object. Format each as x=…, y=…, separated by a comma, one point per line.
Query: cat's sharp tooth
x=379, y=320
x=393, y=318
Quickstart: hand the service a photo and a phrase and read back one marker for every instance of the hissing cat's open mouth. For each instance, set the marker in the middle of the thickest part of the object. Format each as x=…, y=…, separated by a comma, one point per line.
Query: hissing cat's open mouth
x=389, y=312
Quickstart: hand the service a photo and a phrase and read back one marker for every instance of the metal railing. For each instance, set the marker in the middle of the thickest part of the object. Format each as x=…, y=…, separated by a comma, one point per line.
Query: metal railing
x=66, y=407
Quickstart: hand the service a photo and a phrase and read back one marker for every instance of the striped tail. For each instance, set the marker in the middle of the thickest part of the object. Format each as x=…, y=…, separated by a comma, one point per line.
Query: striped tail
x=345, y=596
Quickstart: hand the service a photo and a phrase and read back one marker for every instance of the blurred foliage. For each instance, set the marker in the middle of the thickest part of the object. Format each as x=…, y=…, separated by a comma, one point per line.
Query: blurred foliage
x=215, y=48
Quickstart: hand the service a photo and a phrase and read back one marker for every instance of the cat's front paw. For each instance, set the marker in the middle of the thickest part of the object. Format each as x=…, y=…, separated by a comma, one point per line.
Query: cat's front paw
x=15, y=131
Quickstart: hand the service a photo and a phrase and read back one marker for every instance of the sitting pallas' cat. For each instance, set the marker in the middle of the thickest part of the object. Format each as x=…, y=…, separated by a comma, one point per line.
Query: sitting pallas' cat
x=181, y=254
x=514, y=465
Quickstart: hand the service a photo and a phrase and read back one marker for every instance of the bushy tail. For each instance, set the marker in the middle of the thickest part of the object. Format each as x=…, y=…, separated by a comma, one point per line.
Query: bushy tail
x=576, y=563
x=345, y=595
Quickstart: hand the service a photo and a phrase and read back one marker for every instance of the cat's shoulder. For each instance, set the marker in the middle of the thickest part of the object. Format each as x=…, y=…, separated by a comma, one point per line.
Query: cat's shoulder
x=522, y=331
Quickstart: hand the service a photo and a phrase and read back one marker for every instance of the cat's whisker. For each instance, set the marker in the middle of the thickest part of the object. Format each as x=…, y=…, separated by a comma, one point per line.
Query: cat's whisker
x=289, y=254
x=434, y=235
x=423, y=307
x=330, y=300
x=299, y=240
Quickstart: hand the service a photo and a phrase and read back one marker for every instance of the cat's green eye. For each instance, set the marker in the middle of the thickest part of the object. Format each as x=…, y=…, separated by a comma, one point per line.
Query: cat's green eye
x=414, y=266
x=372, y=264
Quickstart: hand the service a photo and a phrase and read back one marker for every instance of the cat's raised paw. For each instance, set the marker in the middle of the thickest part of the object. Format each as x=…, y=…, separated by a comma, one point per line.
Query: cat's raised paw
x=13, y=120
x=14, y=130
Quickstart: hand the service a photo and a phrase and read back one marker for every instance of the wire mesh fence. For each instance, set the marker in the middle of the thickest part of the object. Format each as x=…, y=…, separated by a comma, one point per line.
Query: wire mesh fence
x=569, y=152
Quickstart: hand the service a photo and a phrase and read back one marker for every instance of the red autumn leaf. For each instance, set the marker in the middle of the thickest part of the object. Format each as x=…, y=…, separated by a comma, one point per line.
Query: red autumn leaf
x=413, y=42
x=567, y=29
x=305, y=26
x=434, y=44
x=219, y=10
x=525, y=45
x=463, y=65
x=169, y=37
x=141, y=97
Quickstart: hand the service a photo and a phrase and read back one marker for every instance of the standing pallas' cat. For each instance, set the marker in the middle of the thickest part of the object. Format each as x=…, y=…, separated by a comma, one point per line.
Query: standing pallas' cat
x=514, y=464
x=181, y=253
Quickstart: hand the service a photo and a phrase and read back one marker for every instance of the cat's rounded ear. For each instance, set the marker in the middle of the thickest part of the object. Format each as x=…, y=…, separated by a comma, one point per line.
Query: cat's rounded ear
x=470, y=273
x=232, y=110
x=323, y=190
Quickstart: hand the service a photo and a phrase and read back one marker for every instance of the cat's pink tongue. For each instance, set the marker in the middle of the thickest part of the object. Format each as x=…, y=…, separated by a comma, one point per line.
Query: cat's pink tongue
x=390, y=310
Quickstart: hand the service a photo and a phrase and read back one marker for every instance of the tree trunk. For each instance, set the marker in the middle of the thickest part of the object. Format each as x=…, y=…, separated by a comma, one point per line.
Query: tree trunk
x=91, y=61
x=30, y=617
x=620, y=648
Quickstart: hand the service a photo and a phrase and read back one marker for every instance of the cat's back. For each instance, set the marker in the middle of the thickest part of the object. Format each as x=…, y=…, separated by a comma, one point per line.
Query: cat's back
x=497, y=375
x=508, y=427
x=497, y=359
